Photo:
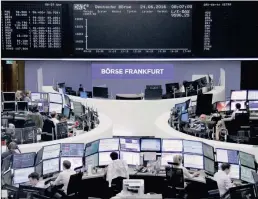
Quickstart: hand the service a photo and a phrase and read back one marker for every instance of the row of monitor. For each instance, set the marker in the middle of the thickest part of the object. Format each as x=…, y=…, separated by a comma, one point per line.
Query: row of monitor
x=244, y=95
x=225, y=106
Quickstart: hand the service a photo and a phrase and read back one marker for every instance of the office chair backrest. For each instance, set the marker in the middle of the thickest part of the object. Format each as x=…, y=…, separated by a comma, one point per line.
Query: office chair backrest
x=175, y=177
x=74, y=183
x=242, y=118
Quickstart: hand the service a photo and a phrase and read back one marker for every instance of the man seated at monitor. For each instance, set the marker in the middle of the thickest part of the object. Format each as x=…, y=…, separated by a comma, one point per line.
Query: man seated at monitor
x=34, y=180
x=64, y=176
x=117, y=170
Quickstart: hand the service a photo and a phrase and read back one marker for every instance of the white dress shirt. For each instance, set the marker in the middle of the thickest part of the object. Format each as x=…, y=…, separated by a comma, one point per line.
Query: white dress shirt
x=63, y=178
x=117, y=168
x=223, y=181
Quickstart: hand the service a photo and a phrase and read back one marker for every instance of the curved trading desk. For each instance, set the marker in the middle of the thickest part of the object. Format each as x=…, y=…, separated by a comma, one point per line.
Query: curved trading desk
x=137, y=117
x=104, y=129
x=165, y=131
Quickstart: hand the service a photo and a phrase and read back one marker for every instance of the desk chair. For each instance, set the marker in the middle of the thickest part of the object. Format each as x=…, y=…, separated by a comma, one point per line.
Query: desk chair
x=74, y=185
x=117, y=186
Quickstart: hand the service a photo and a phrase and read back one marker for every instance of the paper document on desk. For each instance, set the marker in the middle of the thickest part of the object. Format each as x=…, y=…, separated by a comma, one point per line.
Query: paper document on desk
x=149, y=156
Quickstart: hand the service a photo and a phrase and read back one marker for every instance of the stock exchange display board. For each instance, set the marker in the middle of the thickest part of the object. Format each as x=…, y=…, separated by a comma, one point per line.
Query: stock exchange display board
x=125, y=29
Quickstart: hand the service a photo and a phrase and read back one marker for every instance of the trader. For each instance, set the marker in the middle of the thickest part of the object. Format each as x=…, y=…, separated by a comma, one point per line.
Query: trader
x=117, y=171
x=34, y=180
x=64, y=177
x=223, y=179
x=36, y=117
x=12, y=147
x=80, y=89
x=27, y=97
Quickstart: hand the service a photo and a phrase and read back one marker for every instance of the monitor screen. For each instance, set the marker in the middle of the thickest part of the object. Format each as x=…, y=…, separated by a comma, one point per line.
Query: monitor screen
x=181, y=107
x=104, y=158
x=39, y=169
x=75, y=162
x=35, y=97
x=55, y=107
x=170, y=145
x=22, y=106
x=239, y=95
x=39, y=156
x=185, y=117
x=92, y=160
x=66, y=112
x=152, y=144
x=233, y=105
x=208, y=151
x=51, y=151
x=252, y=95
x=247, y=160
x=9, y=96
x=168, y=157
x=131, y=158
x=109, y=144
x=192, y=147
x=234, y=171
x=55, y=98
x=83, y=94
x=228, y=156
x=21, y=175
x=193, y=161
x=246, y=174
x=223, y=106
x=209, y=165
x=23, y=160
x=72, y=149
x=129, y=144
x=51, y=166
x=77, y=108
x=253, y=105
x=92, y=148
x=9, y=106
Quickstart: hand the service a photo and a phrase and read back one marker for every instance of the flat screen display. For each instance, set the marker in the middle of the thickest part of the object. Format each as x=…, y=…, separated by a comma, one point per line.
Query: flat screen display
x=55, y=98
x=75, y=162
x=9, y=96
x=223, y=106
x=246, y=174
x=9, y=106
x=192, y=147
x=239, y=95
x=208, y=151
x=92, y=148
x=66, y=112
x=233, y=105
x=227, y=156
x=185, y=117
x=168, y=157
x=22, y=106
x=35, y=97
x=247, y=160
x=131, y=158
x=92, y=160
x=55, y=108
x=181, y=107
x=129, y=144
x=21, y=175
x=209, y=165
x=51, y=166
x=252, y=95
x=109, y=144
x=153, y=145
x=23, y=160
x=104, y=158
x=83, y=95
x=193, y=161
x=51, y=151
x=234, y=171
x=253, y=105
x=170, y=145
x=72, y=149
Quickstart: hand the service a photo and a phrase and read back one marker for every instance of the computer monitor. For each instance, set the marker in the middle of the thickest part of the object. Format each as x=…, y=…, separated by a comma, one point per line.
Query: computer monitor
x=172, y=145
x=246, y=174
x=223, y=106
x=247, y=160
x=234, y=171
x=131, y=158
x=227, y=156
x=39, y=156
x=110, y=144
x=209, y=165
x=204, y=104
x=252, y=95
x=191, y=146
x=75, y=162
x=130, y=144
x=208, y=151
x=185, y=117
x=72, y=149
x=100, y=92
x=150, y=145
x=168, y=157
x=9, y=106
x=51, y=151
x=253, y=105
x=193, y=161
x=55, y=98
x=92, y=148
x=22, y=106
x=84, y=94
x=9, y=96
x=255, y=178
x=35, y=97
x=39, y=168
x=66, y=112
x=233, y=105
x=55, y=107
x=92, y=160
x=23, y=160
x=7, y=178
x=77, y=108
x=51, y=166
x=181, y=107
x=239, y=95
x=21, y=175
x=104, y=158
x=172, y=87
x=61, y=130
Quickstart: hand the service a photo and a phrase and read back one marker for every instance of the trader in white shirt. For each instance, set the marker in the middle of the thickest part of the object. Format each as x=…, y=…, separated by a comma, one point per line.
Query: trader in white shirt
x=64, y=176
x=223, y=179
x=117, y=169
x=34, y=180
